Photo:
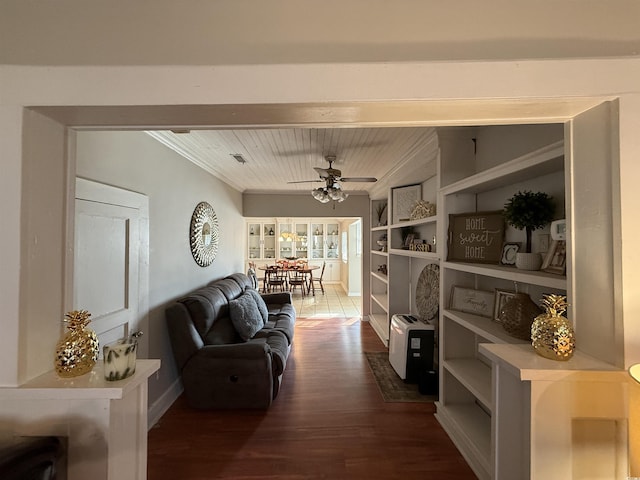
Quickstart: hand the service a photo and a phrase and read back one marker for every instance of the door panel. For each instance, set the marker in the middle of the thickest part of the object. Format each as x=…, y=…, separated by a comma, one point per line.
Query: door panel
x=110, y=257
x=106, y=273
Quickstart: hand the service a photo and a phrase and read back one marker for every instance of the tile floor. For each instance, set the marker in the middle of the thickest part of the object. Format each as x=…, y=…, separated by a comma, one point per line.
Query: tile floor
x=334, y=303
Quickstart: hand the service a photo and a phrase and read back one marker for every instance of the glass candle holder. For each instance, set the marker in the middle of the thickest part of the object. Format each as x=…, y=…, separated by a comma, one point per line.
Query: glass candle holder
x=119, y=360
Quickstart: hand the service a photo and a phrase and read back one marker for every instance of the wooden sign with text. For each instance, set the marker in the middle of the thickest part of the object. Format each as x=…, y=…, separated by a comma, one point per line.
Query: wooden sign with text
x=476, y=237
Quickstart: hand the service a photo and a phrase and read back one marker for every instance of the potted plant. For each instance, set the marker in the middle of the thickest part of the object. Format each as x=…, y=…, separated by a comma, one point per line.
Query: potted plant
x=529, y=211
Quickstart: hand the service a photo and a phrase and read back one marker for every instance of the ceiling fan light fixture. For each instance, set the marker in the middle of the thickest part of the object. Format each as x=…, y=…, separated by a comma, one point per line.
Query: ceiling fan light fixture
x=320, y=194
x=334, y=193
x=317, y=193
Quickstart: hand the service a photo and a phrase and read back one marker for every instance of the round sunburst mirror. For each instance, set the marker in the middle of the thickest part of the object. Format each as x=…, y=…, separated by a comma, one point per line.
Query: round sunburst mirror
x=203, y=234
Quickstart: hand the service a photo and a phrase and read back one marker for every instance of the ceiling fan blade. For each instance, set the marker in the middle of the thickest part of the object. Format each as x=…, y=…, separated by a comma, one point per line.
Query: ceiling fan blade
x=323, y=172
x=358, y=179
x=308, y=181
x=328, y=172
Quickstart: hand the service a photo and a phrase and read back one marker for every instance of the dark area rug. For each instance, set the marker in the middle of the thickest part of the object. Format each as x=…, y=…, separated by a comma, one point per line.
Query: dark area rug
x=392, y=387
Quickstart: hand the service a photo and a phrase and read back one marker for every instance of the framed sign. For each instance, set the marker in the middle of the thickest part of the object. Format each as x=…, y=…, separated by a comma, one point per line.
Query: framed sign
x=403, y=201
x=476, y=237
x=478, y=302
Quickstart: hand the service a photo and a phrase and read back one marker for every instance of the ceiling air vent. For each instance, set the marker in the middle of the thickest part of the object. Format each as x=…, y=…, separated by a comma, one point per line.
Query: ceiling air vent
x=239, y=158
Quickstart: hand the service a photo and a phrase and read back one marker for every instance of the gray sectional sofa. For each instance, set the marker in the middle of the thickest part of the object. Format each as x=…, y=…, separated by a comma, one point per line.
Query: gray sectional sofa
x=231, y=344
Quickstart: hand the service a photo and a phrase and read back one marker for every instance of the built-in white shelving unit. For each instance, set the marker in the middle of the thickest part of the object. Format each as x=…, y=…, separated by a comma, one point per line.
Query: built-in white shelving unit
x=508, y=410
x=465, y=407
x=511, y=413
x=394, y=292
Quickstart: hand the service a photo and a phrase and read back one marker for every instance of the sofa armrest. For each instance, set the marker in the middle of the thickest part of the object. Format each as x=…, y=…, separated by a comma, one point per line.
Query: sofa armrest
x=185, y=340
x=277, y=297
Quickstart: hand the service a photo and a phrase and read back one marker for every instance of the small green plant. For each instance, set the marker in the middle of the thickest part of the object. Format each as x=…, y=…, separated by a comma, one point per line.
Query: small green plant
x=529, y=211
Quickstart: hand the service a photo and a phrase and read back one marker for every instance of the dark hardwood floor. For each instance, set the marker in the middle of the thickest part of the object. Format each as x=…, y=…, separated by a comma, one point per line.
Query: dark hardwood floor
x=328, y=422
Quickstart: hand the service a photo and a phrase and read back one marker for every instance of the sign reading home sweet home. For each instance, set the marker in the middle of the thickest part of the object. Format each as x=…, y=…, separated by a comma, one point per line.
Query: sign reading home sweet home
x=476, y=237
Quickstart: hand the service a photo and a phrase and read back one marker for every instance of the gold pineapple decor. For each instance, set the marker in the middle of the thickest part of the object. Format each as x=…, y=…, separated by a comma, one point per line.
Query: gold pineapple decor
x=77, y=352
x=552, y=334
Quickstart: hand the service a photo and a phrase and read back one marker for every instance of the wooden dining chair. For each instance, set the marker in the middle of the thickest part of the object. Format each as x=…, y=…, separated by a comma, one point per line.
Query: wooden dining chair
x=318, y=280
x=275, y=277
x=297, y=279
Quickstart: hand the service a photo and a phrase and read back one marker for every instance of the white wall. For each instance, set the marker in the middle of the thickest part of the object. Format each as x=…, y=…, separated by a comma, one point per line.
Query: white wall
x=135, y=161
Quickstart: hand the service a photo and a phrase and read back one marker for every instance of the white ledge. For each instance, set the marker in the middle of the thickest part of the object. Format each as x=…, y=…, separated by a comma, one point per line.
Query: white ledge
x=89, y=386
x=523, y=362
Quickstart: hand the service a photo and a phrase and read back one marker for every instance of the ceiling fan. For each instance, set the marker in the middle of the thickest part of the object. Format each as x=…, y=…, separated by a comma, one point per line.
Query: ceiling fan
x=331, y=176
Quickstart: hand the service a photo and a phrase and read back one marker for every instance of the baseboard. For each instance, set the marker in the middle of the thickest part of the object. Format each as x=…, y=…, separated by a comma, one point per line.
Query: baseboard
x=160, y=406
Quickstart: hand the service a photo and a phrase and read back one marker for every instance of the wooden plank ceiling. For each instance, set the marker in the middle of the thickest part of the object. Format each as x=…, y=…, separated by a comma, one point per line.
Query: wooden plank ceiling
x=275, y=156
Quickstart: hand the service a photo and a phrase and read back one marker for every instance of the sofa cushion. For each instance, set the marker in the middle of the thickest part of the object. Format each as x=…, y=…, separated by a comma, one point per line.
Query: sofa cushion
x=241, y=279
x=245, y=316
x=205, y=305
x=262, y=307
x=229, y=288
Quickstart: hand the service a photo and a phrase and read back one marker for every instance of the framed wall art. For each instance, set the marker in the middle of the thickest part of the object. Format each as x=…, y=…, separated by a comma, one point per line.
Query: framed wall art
x=403, y=201
x=478, y=302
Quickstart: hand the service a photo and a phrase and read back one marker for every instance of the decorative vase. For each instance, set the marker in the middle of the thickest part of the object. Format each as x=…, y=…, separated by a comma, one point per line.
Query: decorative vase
x=528, y=261
x=518, y=314
x=552, y=334
x=77, y=352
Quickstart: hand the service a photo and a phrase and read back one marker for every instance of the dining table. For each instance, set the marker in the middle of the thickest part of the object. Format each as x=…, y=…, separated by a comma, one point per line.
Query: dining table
x=305, y=269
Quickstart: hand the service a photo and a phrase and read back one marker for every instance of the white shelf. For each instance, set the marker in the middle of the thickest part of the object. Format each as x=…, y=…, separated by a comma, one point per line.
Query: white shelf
x=379, y=229
x=381, y=299
x=378, y=252
x=379, y=276
x=414, y=223
x=474, y=375
x=540, y=162
x=469, y=427
x=513, y=274
x=414, y=254
x=482, y=326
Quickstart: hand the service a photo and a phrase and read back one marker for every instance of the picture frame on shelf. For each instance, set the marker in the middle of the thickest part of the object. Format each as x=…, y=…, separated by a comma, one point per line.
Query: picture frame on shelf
x=501, y=297
x=555, y=260
x=408, y=240
x=403, y=201
x=509, y=251
x=469, y=300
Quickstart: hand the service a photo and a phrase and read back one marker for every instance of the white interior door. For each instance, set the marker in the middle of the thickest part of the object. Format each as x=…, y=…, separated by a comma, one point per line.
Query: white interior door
x=110, y=248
